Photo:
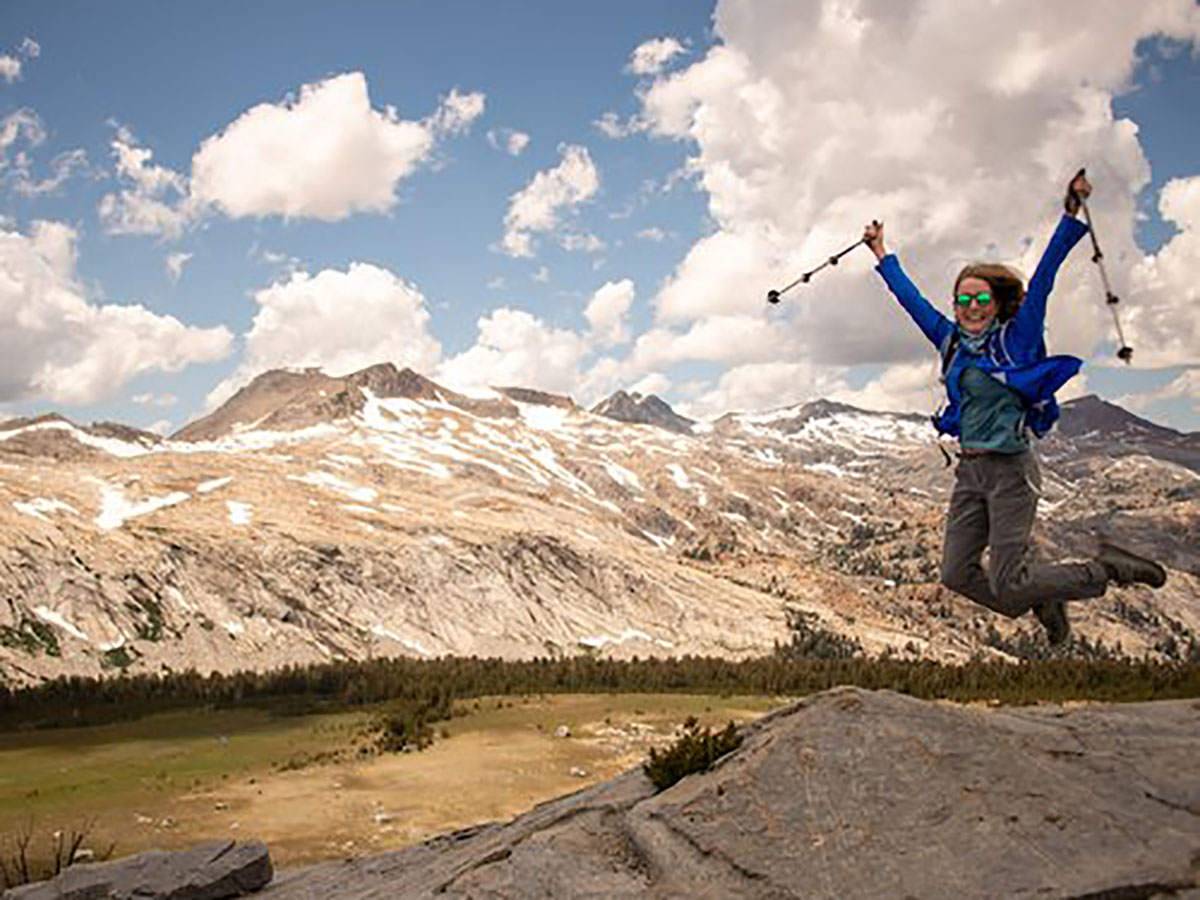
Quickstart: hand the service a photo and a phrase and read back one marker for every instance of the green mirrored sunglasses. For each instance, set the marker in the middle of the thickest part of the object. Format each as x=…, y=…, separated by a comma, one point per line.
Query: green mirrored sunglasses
x=983, y=298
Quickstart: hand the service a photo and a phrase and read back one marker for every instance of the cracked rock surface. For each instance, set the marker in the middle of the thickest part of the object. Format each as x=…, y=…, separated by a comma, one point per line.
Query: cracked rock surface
x=846, y=794
x=213, y=871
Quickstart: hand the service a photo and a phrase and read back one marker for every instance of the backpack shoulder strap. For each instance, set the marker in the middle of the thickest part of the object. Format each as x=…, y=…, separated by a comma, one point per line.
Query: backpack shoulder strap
x=948, y=350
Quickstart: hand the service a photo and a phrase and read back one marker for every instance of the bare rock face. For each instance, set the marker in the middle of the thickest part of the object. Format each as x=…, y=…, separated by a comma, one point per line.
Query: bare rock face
x=640, y=410
x=850, y=794
x=206, y=872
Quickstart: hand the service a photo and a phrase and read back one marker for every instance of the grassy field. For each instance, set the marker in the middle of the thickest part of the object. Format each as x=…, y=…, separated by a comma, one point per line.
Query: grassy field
x=171, y=780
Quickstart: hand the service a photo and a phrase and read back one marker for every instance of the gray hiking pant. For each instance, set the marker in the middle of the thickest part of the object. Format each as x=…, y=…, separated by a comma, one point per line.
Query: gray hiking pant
x=993, y=505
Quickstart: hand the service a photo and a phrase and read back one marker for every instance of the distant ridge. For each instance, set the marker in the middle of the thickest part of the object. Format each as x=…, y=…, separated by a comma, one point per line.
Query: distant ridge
x=287, y=399
x=791, y=419
x=1091, y=413
x=1094, y=426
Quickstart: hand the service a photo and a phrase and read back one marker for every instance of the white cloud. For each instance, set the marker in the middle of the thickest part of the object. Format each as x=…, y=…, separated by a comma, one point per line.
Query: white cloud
x=1161, y=312
x=151, y=399
x=610, y=125
x=653, y=383
x=719, y=338
x=19, y=125
x=161, y=427
x=175, y=264
x=514, y=347
x=654, y=233
x=542, y=275
x=758, y=386
x=712, y=279
x=652, y=56
x=963, y=148
x=606, y=312
x=457, y=113
x=324, y=155
x=904, y=388
x=11, y=66
x=509, y=140
x=62, y=166
x=580, y=242
x=57, y=346
x=21, y=132
x=339, y=321
x=154, y=199
x=1185, y=386
x=538, y=206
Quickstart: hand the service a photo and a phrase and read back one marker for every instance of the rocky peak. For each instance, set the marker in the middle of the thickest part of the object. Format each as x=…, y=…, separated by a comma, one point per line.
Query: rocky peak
x=385, y=380
x=1092, y=414
x=126, y=433
x=15, y=424
x=1091, y=426
x=268, y=395
x=643, y=410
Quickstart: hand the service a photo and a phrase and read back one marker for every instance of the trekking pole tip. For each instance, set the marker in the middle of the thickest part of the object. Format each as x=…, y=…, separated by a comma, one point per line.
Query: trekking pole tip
x=1125, y=354
x=772, y=296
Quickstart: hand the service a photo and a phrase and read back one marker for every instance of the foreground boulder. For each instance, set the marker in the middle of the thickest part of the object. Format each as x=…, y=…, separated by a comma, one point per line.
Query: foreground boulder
x=851, y=794
x=207, y=872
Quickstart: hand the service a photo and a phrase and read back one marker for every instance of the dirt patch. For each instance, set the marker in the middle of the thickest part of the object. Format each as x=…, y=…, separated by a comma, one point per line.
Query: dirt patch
x=496, y=764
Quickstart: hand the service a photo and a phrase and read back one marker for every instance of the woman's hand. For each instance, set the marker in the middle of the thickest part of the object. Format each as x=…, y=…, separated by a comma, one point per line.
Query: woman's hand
x=1077, y=191
x=873, y=238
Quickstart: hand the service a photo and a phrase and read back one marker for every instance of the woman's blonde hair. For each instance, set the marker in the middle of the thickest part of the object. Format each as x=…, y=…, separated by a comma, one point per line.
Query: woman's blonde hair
x=1006, y=284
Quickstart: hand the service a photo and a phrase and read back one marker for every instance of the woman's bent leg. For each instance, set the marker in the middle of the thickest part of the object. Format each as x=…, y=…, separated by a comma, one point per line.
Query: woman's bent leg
x=1018, y=580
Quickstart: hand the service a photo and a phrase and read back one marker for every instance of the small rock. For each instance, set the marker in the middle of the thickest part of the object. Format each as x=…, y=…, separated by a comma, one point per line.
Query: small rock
x=579, y=772
x=562, y=731
x=220, y=806
x=381, y=817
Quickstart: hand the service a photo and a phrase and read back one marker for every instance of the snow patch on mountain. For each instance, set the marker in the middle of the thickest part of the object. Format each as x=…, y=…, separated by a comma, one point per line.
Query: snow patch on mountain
x=39, y=505
x=116, y=508
x=239, y=513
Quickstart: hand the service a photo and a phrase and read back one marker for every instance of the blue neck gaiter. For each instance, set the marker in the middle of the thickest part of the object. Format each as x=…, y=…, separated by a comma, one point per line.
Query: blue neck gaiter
x=975, y=343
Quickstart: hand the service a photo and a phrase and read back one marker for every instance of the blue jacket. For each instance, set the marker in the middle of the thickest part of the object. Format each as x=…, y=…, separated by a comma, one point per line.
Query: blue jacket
x=1015, y=353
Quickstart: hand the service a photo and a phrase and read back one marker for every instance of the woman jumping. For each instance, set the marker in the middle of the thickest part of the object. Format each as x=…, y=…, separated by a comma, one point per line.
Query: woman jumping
x=1000, y=385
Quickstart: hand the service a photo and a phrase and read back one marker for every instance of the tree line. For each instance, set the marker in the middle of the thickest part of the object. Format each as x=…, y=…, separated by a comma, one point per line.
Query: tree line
x=433, y=683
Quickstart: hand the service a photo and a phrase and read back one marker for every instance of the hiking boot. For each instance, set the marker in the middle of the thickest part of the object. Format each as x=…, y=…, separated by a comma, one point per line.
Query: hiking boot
x=1053, y=616
x=1124, y=567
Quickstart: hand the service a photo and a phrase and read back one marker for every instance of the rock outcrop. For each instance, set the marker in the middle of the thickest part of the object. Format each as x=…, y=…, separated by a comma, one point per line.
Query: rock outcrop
x=850, y=794
x=208, y=872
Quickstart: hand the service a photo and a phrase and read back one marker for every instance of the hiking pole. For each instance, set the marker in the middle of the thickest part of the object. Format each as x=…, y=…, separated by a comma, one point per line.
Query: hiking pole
x=1125, y=353
x=773, y=296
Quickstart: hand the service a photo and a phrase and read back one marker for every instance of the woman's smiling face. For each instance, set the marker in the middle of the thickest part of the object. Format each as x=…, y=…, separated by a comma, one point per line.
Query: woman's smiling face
x=978, y=313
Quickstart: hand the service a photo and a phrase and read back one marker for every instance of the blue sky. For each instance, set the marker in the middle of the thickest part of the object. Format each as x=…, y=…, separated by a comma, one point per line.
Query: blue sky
x=575, y=197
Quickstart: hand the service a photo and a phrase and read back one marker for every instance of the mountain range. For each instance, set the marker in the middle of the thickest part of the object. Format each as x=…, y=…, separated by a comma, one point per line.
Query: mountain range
x=314, y=517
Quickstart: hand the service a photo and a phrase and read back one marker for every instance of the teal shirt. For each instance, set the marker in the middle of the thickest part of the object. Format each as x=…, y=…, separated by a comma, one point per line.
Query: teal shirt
x=993, y=415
